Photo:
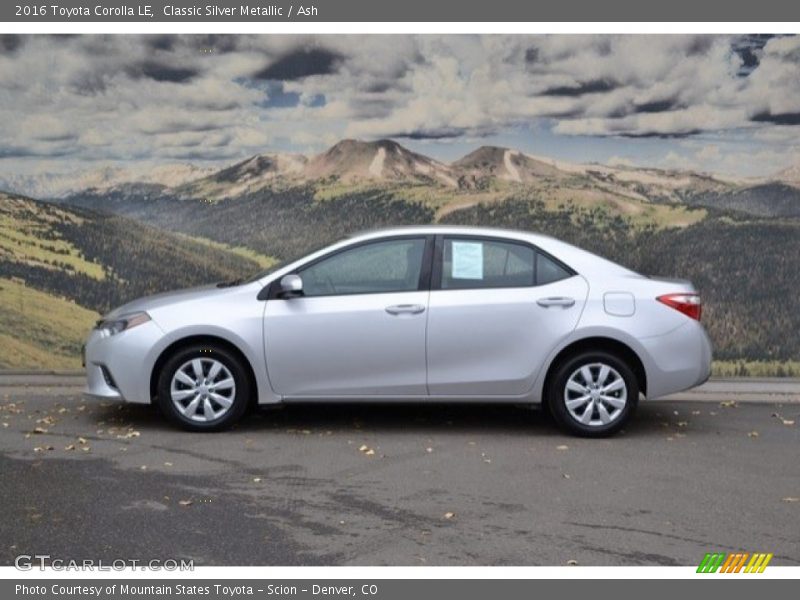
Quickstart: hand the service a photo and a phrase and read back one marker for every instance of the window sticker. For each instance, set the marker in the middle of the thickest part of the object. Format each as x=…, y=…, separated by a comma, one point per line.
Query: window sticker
x=467, y=260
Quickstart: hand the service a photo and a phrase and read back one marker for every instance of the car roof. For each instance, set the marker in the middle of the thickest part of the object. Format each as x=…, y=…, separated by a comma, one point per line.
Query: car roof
x=451, y=230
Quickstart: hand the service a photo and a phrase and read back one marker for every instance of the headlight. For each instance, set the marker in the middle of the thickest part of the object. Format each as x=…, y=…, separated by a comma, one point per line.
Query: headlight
x=123, y=323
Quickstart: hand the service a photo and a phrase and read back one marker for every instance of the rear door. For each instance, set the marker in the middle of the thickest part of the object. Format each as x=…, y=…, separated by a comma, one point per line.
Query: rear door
x=497, y=308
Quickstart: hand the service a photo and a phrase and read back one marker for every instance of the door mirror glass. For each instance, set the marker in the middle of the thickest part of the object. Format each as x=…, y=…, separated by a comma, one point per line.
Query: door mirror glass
x=291, y=286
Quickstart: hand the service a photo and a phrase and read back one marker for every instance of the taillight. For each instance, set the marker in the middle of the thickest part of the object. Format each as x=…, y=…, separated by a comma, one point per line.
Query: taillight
x=688, y=304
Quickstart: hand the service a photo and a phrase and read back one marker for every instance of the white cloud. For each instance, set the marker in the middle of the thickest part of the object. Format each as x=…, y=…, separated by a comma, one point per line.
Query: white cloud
x=151, y=97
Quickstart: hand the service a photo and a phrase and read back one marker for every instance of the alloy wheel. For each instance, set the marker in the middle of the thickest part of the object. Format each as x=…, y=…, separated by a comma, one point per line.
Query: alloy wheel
x=203, y=389
x=595, y=394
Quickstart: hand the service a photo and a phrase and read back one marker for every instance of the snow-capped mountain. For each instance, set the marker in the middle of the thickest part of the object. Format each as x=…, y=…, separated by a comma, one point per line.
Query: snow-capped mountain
x=383, y=160
x=490, y=162
x=790, y=175
x=58, y=185
x=248, y=175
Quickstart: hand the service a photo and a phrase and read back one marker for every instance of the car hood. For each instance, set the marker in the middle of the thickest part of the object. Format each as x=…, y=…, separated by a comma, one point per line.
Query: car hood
x=150, y=303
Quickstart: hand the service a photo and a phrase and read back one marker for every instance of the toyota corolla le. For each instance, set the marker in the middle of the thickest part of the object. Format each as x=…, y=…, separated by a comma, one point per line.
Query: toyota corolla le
x=424, y=314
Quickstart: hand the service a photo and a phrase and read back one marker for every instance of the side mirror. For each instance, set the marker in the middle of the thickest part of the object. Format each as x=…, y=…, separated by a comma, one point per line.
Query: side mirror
x=291, y=286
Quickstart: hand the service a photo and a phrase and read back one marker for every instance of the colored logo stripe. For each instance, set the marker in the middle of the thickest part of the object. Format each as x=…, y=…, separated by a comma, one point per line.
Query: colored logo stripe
x=711, y=562
x=758, y=563
x=734, y=562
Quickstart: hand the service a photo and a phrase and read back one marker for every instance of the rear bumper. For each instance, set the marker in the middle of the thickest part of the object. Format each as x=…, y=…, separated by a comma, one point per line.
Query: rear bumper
x=678, y=360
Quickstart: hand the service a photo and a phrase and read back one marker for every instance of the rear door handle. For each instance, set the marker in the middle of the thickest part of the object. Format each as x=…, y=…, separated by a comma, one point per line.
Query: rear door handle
x=405, y=309
x=556, y=301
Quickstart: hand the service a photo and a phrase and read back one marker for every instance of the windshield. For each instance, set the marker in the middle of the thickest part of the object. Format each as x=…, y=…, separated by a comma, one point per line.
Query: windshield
x=282, y=263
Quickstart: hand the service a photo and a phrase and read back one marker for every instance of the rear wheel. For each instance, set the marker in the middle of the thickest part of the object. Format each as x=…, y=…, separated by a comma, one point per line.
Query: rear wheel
x=593, y=394
x=203, y=388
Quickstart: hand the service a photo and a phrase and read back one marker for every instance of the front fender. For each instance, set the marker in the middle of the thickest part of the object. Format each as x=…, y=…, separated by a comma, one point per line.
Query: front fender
x=251, y=346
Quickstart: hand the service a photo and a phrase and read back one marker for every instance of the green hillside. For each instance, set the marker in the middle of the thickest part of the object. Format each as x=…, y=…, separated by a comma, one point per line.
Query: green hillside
x=40, y=330
x=62, y=266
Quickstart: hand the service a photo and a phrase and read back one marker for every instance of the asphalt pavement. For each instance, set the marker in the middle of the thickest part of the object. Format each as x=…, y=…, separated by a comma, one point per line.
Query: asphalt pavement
x=713, y=470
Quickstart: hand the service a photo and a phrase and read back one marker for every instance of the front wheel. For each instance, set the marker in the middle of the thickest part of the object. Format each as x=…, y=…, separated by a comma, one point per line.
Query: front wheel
x=203, y=388
x=593, y=394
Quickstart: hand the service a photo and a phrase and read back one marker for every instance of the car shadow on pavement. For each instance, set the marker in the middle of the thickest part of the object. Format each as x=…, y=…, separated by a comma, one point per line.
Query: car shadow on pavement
x=651, y=417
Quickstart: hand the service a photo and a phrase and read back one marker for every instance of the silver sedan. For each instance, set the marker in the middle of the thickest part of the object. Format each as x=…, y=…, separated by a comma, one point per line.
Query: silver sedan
x=431, y=314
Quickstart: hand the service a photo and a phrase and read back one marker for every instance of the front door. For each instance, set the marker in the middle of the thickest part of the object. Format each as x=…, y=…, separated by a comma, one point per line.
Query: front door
x=359, y=327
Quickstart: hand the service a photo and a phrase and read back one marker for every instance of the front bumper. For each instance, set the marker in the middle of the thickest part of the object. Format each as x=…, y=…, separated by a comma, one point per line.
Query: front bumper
x=118, y=367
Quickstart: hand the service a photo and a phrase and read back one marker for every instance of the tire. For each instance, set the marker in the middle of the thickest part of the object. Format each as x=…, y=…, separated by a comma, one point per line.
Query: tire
x=609, y=411
x=212, y=402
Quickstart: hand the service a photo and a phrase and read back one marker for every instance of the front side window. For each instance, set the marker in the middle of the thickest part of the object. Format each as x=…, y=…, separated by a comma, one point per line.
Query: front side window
x=373, y=268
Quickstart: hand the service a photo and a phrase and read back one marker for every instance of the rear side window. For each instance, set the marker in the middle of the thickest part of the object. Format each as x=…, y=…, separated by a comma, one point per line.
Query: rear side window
x=470, y=263
x=474, y=263
x=548, y=270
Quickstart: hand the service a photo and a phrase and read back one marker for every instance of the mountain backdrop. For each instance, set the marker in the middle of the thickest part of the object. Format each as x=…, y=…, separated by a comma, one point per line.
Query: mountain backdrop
x=74, y=246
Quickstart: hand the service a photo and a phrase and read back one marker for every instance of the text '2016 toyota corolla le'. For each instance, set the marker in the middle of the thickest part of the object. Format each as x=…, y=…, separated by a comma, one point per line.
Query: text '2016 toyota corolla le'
x=414, y=314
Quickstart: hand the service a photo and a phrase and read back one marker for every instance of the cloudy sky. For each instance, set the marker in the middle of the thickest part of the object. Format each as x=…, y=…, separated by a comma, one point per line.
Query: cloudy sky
x=728, y=104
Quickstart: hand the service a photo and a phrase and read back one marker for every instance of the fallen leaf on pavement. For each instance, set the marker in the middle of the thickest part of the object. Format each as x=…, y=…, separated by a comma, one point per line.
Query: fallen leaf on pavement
x=70, y=447
x=81, y=440
x=753, y=434
x=788, y=422
x=364, y=449
x=449, y=515
x=39, y=430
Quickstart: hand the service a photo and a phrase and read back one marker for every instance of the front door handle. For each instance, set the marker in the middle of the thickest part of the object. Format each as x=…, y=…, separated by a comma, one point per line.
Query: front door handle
x=556, y=301
x=405, y=309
